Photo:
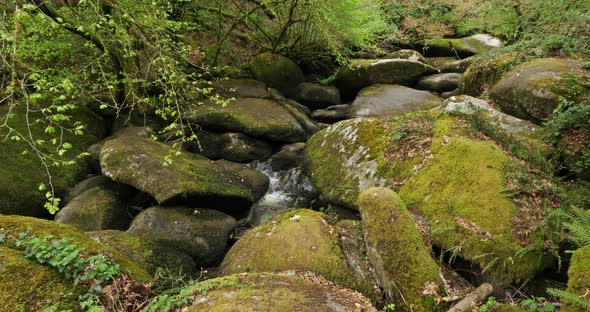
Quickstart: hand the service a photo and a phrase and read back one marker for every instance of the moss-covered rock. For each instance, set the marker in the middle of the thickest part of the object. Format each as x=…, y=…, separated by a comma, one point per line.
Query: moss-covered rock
x=259, y=118
x=579, y=275
x=139, y=162
x=20, y=175
x=464, y=104
x=277, y=72
x=201, y=233
x=353, y=155
x=317, y=96
x=407, y=55
x=301, y=240
x=236, y=147
x=241, y=88
x=14, y=225
x=407, y=273
x=485, y=71
x=365, y=72
x=145, y=252
x=26, y=285
x=456, y=66
x=391, y=100
x=439, y=82
x=99, y=208
x=476, y=44
x=533, y=90
x=273, y=293
x=445, y=172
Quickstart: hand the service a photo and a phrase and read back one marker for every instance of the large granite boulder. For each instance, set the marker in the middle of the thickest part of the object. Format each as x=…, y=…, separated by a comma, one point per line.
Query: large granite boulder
x=241, y=88
x=407, y=55
x=406, y=271
x=140, y=162
x=363, y=73
x=270, y=292
x=99, y=208
x=391, y=100
x=277, y=72
x=463, y=47
x=21, y=170
x=236, y=147
x=317, y=96
x=435, y=160
x=200, y=233
x=533, y=90
x=301, y=240
x=439, y=82
x=259, y=118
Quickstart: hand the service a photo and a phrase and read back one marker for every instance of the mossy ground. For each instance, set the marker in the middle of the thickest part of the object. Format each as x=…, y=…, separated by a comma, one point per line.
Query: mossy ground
x=301, y=240
x=26, y=285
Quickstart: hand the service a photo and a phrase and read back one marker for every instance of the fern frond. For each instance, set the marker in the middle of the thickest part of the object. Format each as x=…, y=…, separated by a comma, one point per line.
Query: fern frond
x=570, y=298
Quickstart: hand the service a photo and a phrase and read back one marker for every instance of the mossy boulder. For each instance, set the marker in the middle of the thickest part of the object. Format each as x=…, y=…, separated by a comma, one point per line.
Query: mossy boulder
x=200, y=233
x=20, y=175
x=403, y=265
x=456, y=66
x=272, y=292
x=138, y=161
x=468, y=105
x=433, y=160
x=366, y=72
x=301, y=240
x=317, y=96
x=277, y=72
x=533, y=90
x=149, y=254
x=439, y=82
x=99, y=208
x=259, y=118
x=14, y=225
x=26, y=285
x=485, y=71
x=407, y=55
x=241, y=88
x=236, y=147
x=579, y=275
x=463, y=47
x=391, y=100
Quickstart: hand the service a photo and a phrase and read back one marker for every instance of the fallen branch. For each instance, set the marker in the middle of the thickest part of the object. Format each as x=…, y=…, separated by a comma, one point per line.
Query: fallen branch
x=473, y=299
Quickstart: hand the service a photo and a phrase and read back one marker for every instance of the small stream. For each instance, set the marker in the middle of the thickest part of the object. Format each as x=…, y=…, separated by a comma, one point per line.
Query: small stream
x=289, y=189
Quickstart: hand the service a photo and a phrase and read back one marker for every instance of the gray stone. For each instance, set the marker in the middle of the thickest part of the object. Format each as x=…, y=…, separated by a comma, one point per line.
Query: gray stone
x=96, y=209
x=316, y=96
x=239, y=88
x=332, y=113
x=462, y=47
x=388, y=100
x=456, y=66
x=407, y=55
x=290, y=156
x=439, y=82
x=192, y=179
x=201, y=233
x=363, y=73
